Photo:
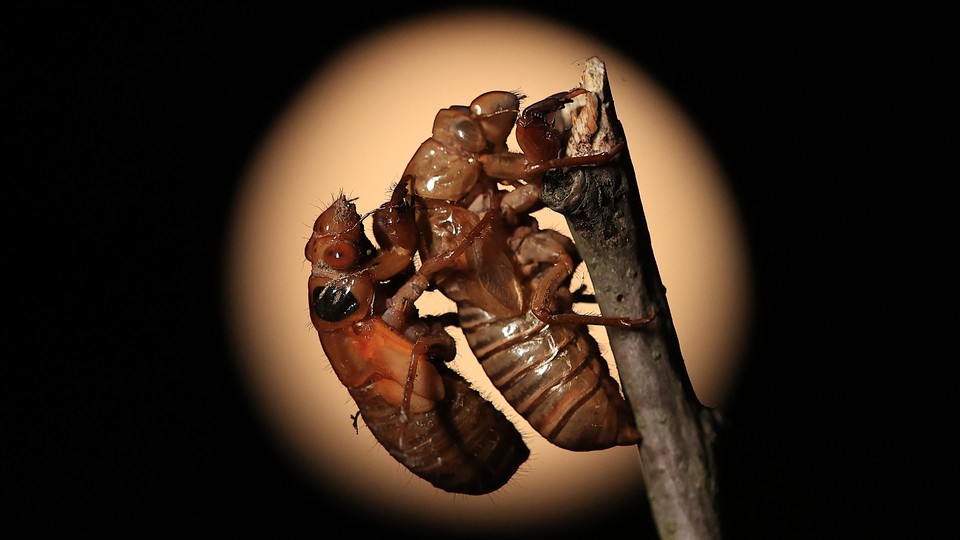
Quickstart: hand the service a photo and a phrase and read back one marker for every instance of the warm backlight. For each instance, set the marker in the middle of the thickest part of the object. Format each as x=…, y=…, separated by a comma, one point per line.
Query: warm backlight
x=353, y=128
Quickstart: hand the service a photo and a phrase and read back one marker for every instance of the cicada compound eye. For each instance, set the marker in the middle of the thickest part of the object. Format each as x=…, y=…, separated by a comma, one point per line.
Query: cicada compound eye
x=341, y=255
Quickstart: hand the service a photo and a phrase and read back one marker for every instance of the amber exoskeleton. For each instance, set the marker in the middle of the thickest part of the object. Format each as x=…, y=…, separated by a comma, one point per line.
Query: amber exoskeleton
x=393, y=362
x=511, y=285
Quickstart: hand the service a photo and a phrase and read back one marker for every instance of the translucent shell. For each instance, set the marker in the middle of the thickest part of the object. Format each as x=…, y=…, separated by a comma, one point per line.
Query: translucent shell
x=456, y=128
x=496, y=112
x=447, y=165
x=442, y=173
x=495, y=286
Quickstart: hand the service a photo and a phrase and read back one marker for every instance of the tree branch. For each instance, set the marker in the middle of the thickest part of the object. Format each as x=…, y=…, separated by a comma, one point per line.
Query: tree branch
x=603, y=210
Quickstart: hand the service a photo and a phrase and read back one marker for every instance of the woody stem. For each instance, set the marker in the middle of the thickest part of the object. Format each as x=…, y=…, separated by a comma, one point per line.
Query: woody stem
x=603, y=210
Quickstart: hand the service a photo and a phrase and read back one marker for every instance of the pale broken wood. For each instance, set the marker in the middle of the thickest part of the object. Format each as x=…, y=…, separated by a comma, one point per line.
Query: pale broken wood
x=603, y=210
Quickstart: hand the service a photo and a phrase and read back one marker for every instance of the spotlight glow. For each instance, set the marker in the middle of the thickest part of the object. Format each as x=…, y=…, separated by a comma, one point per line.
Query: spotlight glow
x=354, y=127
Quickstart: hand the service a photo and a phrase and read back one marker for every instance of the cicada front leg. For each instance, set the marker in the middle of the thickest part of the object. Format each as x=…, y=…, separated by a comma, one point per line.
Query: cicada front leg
x=438, y=347
x=400, y=304
x=543, y=302
x=542, y=138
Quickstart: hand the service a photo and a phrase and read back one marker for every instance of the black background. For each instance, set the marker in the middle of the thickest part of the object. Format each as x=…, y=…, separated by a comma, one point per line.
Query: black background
x=130, y=128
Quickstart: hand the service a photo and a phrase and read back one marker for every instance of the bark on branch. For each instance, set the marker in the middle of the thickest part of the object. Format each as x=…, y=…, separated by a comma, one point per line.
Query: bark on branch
x=603, y=210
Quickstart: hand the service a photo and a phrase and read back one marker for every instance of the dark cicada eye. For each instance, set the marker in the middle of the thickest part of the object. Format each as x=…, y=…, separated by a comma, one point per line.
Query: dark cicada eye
x=333, y=303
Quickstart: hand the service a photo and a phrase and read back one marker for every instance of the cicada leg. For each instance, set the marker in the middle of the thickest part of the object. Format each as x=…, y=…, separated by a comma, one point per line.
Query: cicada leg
x=542, y=140
x=443, y=348
x=534, y=170
x=395, y=230
x=400, y=305
x=442, y=260
x=547, y=289
x=550, y=248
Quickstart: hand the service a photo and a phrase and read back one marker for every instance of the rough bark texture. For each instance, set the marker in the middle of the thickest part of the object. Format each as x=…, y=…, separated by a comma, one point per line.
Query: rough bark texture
x=605, y=215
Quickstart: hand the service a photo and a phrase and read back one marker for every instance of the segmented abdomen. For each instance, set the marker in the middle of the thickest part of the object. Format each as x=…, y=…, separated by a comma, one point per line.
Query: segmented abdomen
x=463, y=445
x=553, y=375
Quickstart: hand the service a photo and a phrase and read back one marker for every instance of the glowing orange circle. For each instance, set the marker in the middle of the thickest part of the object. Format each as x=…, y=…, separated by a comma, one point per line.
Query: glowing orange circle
x=353, y=128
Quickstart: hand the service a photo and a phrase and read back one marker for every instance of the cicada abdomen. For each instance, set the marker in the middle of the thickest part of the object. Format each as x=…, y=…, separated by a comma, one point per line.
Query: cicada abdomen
x=463, y=445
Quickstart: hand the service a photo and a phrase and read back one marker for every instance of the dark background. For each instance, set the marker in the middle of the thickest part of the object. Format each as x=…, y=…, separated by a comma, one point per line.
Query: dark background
x=130, y=128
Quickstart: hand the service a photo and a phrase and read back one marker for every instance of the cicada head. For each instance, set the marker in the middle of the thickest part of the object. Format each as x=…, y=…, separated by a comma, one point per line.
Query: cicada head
x=338, y=243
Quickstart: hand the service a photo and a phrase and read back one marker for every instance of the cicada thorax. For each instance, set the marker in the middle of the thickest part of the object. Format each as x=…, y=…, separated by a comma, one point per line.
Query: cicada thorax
x=434, y=424
x=485, y=272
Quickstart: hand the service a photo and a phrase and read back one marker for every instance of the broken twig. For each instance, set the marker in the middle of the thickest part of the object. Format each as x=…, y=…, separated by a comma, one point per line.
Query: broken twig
x=603, y=210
